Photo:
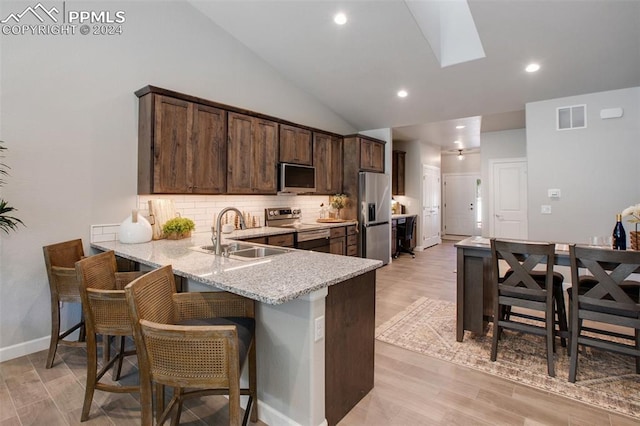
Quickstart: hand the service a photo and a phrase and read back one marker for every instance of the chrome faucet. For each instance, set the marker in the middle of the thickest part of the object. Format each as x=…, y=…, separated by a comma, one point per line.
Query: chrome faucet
x=216, y=234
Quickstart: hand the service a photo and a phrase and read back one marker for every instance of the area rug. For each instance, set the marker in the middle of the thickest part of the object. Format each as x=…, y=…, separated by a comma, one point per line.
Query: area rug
x=604, y=380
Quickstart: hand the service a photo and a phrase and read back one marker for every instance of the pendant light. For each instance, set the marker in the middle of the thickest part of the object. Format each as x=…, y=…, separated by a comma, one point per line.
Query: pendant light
x=460, y=156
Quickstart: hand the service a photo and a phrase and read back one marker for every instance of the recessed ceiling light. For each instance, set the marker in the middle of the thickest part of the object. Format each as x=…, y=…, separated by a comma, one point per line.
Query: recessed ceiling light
x=460, y=127
x=340, y=18
x=456, y=142
x=532, y=67
x=402, y=93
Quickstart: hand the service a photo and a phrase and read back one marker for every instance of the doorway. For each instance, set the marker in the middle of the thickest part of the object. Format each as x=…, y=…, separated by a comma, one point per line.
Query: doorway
x=431, y=196
x=508, y=207
x=461, y=204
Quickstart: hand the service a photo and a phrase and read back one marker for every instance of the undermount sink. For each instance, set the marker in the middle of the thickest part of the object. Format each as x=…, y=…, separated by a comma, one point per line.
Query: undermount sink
x=258, y=252
x=243, y=251
x=230, y=247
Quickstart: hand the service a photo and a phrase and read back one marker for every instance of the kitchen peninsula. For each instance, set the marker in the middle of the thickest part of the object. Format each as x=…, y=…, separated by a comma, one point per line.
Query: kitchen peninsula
x=315, y=331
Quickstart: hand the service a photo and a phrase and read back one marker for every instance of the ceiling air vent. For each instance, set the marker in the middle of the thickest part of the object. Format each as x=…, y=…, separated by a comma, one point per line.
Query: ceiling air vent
x=571, y=117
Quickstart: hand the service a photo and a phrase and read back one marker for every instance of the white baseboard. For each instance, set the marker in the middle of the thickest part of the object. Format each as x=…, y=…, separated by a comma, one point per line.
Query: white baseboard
x=270, y=416
x=24, y=348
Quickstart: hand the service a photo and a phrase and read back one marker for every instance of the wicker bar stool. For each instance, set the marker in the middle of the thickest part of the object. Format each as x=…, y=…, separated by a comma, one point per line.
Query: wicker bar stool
x=64, y=287
x=106, y=313
x=199, y=341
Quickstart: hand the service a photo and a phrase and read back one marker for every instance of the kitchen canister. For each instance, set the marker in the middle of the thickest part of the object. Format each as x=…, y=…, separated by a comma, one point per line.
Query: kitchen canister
x=135, y=229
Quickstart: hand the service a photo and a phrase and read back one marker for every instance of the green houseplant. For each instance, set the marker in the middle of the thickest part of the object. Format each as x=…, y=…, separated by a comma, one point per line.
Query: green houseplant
x=338, y=202
x=178, y=227
x=7, y=221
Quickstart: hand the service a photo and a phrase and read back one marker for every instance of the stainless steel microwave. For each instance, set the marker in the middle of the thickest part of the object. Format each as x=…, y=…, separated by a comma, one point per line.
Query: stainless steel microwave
x=295, y=178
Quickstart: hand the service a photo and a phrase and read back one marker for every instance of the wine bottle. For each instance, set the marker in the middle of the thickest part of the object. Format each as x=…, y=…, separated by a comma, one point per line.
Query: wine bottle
x=619, y=236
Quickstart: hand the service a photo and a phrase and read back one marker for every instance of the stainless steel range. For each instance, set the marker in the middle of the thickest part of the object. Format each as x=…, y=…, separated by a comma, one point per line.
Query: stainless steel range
x=307, y=236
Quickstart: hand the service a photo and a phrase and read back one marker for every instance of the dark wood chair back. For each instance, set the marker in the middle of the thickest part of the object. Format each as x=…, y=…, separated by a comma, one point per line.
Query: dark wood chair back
x=518, y=287
x=605, y=297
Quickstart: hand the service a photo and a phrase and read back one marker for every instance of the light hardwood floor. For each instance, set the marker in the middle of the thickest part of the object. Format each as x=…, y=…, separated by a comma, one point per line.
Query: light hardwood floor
x=410, y=389
x=414, y=389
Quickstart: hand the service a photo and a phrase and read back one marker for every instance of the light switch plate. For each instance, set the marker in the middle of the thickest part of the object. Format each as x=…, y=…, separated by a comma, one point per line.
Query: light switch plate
x=553, y=193
x=545, y=209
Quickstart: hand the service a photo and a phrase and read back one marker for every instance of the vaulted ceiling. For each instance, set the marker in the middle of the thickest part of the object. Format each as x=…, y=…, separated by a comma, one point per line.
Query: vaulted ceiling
x=356, y=69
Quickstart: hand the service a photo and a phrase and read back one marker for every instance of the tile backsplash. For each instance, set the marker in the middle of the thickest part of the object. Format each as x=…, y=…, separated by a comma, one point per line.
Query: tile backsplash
x=203, y=209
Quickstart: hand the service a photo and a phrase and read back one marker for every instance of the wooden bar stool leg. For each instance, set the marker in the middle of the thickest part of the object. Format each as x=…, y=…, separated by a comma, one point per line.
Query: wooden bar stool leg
x=106, y=349
x=55, y=332
x=117, y=368
x=92, y=373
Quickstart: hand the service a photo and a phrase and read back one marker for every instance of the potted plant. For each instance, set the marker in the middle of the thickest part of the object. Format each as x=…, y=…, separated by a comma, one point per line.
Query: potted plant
x=178, y=227
x=338, y=202
x=7, y=222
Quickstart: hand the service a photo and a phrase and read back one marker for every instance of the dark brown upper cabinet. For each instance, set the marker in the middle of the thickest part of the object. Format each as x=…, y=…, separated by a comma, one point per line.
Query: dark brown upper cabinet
x=398, y=172
x=181, y=147
x=360, y=154
x=295, y=145
x=327, y=159
x=251, y=155
x=371, y=155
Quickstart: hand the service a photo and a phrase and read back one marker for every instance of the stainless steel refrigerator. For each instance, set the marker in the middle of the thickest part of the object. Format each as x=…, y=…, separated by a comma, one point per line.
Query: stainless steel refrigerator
x=374, y=201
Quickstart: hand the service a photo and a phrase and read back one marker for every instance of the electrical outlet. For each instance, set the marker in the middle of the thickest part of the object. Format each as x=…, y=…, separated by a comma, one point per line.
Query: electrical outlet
x=319, y=329
x=545, y=209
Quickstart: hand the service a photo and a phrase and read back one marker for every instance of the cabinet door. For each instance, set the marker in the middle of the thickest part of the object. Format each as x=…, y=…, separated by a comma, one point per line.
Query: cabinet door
x=264, y=158
x=208, y=153
x=327, y=159
x=285, y=240
x=371, y=155
x=251, y=155
x=173, y=124
x=397, y=173
x=337, y=246
x=295, y=145
x=239, y=154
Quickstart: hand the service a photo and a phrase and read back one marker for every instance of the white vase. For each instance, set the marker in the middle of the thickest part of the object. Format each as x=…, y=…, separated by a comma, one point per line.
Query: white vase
x=135, y=229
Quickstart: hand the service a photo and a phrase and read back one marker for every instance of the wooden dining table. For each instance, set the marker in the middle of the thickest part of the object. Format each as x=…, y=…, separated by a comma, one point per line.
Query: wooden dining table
x=474, y=290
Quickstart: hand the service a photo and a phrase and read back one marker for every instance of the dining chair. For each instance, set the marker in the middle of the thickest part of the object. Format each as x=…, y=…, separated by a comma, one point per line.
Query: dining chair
x=64, y=287
x=196, y=343
x=518, y=287
x=605, y=298
x=106, y=313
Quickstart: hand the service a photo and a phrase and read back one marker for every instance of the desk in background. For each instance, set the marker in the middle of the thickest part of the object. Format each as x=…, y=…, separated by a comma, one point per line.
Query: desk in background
x=409, y=243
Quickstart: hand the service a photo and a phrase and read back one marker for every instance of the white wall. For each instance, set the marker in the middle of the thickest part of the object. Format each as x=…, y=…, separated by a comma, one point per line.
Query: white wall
x=503, y=144
x=595, y=168
x=69, y=118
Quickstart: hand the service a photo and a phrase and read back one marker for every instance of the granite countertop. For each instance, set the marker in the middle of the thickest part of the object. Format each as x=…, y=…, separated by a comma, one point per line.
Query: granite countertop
x=272, y=280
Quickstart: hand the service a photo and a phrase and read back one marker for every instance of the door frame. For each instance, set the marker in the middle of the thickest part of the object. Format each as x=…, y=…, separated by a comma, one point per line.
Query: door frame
x=491, y=192
x=444, y=200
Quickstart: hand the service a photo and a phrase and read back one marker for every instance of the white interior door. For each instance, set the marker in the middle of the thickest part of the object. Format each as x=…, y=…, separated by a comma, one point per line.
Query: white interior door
x=431, y=197
x=460, y=204
x=508, y=216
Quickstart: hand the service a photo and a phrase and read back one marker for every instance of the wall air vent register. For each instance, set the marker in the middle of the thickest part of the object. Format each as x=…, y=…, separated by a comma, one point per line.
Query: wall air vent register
x=571, y=117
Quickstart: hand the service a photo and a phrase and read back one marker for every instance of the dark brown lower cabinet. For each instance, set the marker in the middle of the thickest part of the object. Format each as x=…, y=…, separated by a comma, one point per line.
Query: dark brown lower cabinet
x=349, y=346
